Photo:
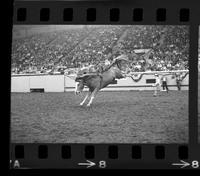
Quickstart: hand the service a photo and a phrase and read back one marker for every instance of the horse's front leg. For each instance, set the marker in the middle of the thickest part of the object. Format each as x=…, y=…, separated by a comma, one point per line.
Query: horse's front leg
x=92, y=97
x=88, y=94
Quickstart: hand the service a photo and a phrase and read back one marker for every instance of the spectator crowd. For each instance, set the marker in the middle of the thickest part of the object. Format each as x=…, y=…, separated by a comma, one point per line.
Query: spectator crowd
x=149, y=48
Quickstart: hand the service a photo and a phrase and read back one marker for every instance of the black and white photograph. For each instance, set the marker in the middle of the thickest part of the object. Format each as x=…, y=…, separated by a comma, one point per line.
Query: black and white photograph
x=100, y=84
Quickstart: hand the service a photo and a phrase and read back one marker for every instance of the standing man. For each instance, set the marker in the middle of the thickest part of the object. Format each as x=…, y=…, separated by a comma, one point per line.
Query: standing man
x=178, y=81
x=164, y=83
x=156, y=85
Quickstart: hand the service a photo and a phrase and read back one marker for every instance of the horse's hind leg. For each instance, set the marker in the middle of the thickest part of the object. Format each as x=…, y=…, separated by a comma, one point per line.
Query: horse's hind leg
x=92, y=97
x=88, y=94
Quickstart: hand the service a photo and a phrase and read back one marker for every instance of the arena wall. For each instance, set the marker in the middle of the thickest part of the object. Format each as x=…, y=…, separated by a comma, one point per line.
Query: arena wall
x=132, y=83
x=61, y=83
x=50, y=83
x=20, y=84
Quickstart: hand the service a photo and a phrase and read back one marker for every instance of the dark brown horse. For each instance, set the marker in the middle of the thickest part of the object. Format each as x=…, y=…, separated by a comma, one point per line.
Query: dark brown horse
x=97, y=81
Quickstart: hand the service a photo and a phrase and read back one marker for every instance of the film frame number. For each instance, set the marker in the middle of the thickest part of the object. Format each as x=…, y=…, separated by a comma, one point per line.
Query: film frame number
x=195, y=164
x=102, y=164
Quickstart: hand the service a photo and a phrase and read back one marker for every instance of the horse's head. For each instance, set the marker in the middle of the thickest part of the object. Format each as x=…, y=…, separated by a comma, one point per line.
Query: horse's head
x=79, y=86
x=80, y=81
x=83, y=79
x=82, y=71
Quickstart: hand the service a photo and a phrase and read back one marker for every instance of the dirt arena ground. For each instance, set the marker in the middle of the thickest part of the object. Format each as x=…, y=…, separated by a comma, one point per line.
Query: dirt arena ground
x=114, y=117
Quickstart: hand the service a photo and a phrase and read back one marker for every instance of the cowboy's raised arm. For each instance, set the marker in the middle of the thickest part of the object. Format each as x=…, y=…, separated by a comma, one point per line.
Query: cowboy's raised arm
x=109, y=66
x=113, y=62
x=119, y=58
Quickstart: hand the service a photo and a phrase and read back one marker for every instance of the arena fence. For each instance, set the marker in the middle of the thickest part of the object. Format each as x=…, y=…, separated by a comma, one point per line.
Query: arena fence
x=62, y=83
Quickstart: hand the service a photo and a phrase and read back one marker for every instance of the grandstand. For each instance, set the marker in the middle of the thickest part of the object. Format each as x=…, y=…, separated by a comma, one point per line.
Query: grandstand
x=58, y=48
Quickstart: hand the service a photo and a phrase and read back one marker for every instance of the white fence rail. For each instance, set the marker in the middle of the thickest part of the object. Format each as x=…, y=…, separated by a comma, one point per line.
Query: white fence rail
x=61, y=83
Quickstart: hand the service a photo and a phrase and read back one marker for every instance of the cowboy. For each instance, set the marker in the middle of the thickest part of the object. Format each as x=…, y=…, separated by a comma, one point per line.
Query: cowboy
x=106, y=65
x=178, y=81
x=107, y=62
x=164, y=83
x=156, y=85
x=103, y=66
x=100, y=68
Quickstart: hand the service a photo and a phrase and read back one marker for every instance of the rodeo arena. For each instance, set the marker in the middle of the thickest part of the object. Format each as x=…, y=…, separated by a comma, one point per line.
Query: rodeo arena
x=99, y=84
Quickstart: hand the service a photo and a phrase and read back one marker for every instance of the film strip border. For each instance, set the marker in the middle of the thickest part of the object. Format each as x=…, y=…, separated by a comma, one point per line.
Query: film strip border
x=141, y=156
x=113, y=156
x=135, y=12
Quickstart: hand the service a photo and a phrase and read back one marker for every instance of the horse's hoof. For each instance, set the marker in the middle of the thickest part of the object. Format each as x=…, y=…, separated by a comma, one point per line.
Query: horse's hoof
x=81, y=104
x=88, y=105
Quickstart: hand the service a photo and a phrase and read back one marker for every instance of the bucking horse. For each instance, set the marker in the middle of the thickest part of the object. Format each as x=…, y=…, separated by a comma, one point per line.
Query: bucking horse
x=98, y=81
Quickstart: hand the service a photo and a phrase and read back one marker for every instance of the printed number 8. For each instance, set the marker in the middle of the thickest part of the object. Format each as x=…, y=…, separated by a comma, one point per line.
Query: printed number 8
x=102, y=164
x=195, y=164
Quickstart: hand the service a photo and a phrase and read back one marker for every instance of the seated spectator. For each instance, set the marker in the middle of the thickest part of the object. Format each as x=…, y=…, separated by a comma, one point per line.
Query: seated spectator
x=74, y=48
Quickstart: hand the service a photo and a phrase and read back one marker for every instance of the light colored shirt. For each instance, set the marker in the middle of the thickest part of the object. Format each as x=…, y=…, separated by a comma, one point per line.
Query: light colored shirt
x=164, y=79
x=107, y=62
x=157, y=80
